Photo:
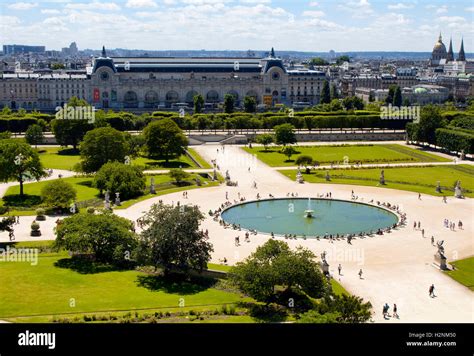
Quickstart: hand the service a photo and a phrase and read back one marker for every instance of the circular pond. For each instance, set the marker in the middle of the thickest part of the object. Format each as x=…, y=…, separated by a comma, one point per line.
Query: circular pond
x=310, y=217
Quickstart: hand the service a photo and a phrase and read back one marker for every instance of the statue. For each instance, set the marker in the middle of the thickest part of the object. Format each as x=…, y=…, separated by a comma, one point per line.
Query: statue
x=107, y=200
x=382, y=178
x=439, y=257
x=328, y=177
x=117, y=199
x=438, y=187
x=324, y=264
x=198, y=182
x=462, y=156
x=152, y=185
x=299, y=177
x=227, y=176
x=214, y=176
x=458, y=190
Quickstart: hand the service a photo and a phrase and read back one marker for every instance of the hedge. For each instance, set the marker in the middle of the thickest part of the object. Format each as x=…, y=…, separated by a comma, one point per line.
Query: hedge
x=455, y=140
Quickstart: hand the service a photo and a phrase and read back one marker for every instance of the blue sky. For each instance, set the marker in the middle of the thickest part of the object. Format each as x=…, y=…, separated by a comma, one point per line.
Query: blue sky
x=350, y=25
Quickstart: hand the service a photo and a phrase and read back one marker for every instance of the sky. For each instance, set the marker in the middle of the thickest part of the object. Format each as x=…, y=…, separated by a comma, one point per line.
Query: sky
x=301, y=25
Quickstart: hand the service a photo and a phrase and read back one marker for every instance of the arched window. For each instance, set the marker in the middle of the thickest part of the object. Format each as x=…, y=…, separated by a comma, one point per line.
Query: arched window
x=172, y=97
x=130, y=99
x=212, y=96
x=151, y=99
x=190, y=96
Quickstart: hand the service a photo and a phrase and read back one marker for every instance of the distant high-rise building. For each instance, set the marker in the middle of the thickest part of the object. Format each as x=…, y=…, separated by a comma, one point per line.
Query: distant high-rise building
x=19, y=49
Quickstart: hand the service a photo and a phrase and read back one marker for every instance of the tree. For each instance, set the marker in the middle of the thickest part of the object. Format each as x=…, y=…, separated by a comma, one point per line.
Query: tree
x=288, y=151
x=34, y=135
x=336, y=105
x=178, y=175
x=397, y=97
x=350, y=308
x=74, y=101
x=304, y=160
x=70, y=132
x=19, y=161
x=334, y=92
x=274, y=264
x=353, y=102
x=325, y=93
x=265, y=140
x=198, y=103
x=430, y=120
x=108, y=237
x=390, y=95
x=250, y=104
x=136, y=143
x=56, y=66
x=165, y=139
x=284, y=134
x=406, y=102
x=318, y=61
x=100, y=146
x=229, y=102
x=6, y=224
x=121, y=178
x=172, y=239
x=58, y=194
x=342, y=59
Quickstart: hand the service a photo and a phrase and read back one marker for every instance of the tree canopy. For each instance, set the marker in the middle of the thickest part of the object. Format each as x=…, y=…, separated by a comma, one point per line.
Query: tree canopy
x=165, y=139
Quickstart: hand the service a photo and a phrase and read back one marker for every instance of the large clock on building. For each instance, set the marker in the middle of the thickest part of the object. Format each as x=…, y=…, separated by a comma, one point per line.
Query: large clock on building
x=104, y=76
x=275, y=75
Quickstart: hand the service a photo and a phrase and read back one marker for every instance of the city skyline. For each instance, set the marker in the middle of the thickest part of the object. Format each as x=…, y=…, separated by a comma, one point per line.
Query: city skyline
x=216, y=24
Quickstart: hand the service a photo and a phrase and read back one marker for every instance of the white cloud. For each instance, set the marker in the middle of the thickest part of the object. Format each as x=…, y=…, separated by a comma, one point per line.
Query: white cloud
x=313, y=13
x=9, y=20
x=256, y=1
x=458, y=19
x=23, y=5
x=141, y=3
x=442, y=9
x=50, y=12
x=400, y=6
x=470, y=9
x=313, y=3
x=358, y=8
x=95, y=5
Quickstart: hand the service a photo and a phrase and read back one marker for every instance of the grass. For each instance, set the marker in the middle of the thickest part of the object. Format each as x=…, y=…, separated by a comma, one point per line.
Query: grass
x=351, y=153
x=46, y=289
x=202, y=162
x=217, y=267
x=337, y=288
x=464, y=272
x=66, y=158
x=416, y=179
x=87, y=194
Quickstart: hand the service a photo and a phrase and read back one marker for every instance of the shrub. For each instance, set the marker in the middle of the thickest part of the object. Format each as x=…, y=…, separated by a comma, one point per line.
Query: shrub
x=127, y=180
x=91, y=210
x=58, y=194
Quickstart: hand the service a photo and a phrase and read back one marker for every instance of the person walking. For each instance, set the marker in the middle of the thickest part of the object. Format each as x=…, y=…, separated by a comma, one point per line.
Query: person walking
x=360, y=273
x=395, y=311
x=339, y=269
x=432, y=240
x=431, y=290
x=423, y=233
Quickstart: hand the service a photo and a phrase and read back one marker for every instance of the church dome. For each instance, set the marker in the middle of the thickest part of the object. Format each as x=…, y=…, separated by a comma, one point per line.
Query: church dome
x=439, y=50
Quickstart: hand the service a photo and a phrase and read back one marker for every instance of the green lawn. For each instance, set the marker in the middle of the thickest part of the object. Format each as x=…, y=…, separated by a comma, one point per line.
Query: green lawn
x=464, y=272
x=66, y=158
x=85, y=192
x=48, y=289
x=415, y=179
x=351, y=153
x=202, y=162
x=58, y=158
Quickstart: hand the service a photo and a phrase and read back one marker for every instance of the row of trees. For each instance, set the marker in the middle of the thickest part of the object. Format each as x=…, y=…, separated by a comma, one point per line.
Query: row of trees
x=433, y=128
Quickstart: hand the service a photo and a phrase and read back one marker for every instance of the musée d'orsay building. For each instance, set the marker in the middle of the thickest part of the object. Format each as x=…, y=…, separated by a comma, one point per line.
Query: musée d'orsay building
x=141, y=83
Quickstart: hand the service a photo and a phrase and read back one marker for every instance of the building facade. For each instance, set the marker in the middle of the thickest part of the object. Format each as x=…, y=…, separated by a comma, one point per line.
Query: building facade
x=147, y=83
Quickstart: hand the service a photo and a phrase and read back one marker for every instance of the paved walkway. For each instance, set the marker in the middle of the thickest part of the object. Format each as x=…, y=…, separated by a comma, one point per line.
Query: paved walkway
x=397, y=266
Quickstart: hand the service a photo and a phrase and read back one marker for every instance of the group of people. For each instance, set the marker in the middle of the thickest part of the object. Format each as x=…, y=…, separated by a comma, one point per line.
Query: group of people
x=386, y=308
x=452, y=225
